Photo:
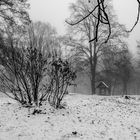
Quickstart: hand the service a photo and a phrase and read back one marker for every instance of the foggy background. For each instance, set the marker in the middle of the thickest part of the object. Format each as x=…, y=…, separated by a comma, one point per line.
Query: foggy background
x=55, y=12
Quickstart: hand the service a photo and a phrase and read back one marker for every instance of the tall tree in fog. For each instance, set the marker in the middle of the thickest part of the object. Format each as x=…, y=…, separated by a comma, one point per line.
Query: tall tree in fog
x=14, y=18
x=43, y=36
x=83, y=32
x=117, y=67
x=102, y=17
x=124, y=68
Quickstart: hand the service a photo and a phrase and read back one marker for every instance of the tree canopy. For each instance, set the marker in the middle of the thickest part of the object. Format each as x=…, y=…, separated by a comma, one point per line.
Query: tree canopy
x=13, y=13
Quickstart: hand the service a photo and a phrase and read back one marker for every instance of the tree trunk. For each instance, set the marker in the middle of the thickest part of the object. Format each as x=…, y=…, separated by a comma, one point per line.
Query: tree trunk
x=124, y=88
x=114, y=86
x=36, y=96
x=92, y=80
x=93, y=58
x=93, y=64
x=92, y=71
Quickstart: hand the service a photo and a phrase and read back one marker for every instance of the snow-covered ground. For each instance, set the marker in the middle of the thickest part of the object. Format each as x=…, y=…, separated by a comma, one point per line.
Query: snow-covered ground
x=85, y=117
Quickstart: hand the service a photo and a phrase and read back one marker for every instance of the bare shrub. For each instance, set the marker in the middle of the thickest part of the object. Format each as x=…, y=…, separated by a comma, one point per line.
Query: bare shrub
x=61, y=76
x=21, y=73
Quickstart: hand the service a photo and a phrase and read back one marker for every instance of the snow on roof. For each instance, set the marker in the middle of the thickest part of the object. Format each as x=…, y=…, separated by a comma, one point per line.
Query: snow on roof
x=103, y=83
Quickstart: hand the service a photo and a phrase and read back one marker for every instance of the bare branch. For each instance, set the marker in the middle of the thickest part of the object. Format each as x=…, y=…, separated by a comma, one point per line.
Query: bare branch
x=102, y=17
x=83, y=17
x=137, y=20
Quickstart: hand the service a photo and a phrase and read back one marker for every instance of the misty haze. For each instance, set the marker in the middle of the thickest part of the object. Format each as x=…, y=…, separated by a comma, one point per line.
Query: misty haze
x=69, y=70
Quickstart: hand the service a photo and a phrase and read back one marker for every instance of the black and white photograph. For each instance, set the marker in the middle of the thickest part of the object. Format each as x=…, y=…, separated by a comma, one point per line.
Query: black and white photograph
x=69, y=69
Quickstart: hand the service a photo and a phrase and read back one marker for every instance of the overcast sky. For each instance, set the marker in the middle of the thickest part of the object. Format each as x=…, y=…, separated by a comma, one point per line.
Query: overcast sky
x=56, y=11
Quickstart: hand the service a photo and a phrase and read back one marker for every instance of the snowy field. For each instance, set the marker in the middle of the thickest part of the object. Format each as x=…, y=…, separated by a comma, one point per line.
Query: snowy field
x=85, y=117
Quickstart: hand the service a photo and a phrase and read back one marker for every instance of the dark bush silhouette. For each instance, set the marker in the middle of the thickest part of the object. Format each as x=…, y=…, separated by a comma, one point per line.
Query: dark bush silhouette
x=61, y=76
x=21, y=73
x=23, y=70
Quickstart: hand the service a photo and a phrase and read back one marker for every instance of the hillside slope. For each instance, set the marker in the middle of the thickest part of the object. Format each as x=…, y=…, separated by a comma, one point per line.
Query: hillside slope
x=85, y=117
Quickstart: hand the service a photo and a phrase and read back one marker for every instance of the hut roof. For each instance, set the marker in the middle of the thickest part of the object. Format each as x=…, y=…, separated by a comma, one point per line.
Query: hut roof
x=102, y=85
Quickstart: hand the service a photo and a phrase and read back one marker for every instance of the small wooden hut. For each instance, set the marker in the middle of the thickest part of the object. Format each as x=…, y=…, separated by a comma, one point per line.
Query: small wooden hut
x=103, y=88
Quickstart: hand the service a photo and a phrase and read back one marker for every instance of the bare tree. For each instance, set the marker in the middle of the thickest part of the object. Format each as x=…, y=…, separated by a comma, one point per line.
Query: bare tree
x=26, y=63
x=115, y=61
x=107, y=73
x=102, y=18
x=26, y=66
x=124, y=68
x=14, y=13
x=61, y=77
x=43, y=36
x=117, y=67
x=91, y=51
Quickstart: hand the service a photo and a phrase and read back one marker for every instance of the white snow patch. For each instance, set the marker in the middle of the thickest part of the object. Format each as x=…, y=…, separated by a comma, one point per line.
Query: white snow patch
x=86, y=117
